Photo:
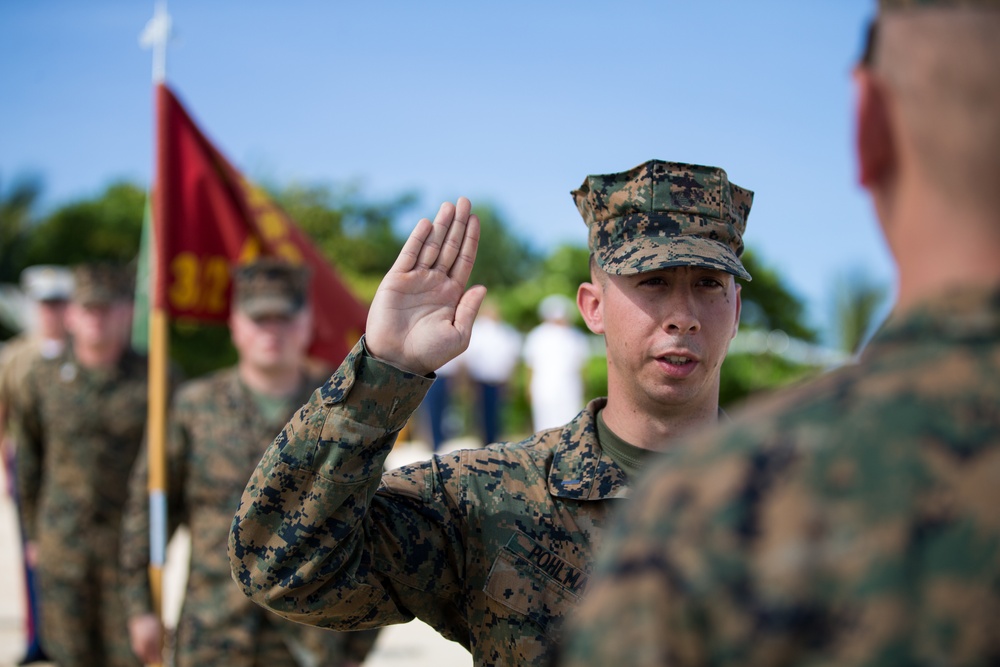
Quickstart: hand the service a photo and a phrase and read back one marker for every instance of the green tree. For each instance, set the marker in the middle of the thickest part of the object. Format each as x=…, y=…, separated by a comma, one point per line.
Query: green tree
x=105, y=228
x=17, y=203
x=504, y=259
x=858, y=302
x=357, y=235
x=769, y=304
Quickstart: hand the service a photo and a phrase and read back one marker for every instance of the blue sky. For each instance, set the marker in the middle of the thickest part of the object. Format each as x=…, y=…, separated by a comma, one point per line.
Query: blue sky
x=510, y=102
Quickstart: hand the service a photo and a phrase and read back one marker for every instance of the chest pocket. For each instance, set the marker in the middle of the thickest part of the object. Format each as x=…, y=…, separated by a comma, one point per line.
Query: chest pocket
x=536, y=582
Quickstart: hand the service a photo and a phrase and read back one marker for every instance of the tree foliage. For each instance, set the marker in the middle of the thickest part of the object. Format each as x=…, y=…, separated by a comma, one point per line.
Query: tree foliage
x=17, y=205
x=105, y=228
x=768, y=303
x=504, y=260
x=858, y=302
x=361, y=237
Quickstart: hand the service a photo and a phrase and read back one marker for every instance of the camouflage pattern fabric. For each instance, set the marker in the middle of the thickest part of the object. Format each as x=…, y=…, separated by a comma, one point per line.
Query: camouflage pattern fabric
x=101, y=283
x=491, y=547
x=270, y=286
x=81, y=430
x=852, y=521
x=216, y=438
x=663, y=214
x=16, y=357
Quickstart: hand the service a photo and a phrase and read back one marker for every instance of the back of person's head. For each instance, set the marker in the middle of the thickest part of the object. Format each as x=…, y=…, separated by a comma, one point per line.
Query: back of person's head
x=941, y=59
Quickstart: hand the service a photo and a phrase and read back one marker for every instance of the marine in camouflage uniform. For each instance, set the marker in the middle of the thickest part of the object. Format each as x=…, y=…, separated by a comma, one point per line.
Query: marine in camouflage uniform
x=49, y=288
x=492, y=547
x=82, y=420
x=854, y=520
x=218, y=429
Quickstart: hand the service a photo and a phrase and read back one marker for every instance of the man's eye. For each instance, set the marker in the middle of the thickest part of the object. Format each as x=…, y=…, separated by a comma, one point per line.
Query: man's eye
x=653, y=281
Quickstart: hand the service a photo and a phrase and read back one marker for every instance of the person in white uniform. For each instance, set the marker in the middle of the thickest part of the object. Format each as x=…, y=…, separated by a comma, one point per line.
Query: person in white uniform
x=555, y=353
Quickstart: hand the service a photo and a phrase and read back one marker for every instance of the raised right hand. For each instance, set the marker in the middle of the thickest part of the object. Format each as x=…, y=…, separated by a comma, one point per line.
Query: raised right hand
x=422, y=314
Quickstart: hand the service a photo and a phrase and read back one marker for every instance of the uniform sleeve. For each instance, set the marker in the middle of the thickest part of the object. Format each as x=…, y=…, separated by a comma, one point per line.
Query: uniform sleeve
x=316, y=540
x=134, y=548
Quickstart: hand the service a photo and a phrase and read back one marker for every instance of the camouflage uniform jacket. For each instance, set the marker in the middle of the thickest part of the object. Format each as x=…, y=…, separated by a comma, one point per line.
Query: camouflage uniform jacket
x=216, y=437
x=81, y=431
x=491, y=547
x=851, y=521
x=16, y=359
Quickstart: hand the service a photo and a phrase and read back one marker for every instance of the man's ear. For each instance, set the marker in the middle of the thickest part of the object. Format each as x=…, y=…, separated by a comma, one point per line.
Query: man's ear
x=588, y=300
x=875, y=145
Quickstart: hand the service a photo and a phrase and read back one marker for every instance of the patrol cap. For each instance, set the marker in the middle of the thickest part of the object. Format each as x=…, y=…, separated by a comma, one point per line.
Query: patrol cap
x=102, y=283
x=270, y=286
x=663, y=214
x=46, y=282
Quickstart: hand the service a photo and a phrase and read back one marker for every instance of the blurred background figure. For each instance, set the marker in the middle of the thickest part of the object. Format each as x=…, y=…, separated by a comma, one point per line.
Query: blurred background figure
x=555, y=353
x=219, y=427
x=48, y=289
x=81, y=420
x=437, y=409
x=493, y=354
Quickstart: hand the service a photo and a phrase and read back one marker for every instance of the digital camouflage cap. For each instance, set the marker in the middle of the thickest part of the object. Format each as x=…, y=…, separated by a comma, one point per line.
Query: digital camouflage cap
x=663, y=214
x=270, y=287
x=102, y=284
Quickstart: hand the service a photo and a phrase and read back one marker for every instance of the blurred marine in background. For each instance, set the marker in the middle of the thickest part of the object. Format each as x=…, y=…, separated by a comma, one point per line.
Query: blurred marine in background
x=82, y=418
x=48, y=289
x=218, y=428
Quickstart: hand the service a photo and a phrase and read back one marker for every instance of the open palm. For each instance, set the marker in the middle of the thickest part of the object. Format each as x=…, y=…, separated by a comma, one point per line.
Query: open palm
x=422, y=314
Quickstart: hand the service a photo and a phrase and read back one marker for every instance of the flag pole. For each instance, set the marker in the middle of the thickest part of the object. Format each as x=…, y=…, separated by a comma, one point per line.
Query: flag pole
x=155, y=36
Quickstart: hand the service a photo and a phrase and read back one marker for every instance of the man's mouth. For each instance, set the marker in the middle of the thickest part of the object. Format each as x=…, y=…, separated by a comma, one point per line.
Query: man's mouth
x=677, y=360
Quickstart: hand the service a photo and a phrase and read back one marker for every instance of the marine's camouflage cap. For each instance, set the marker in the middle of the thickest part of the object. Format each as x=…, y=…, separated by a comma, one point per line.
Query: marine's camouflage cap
x=99, y=284
x=662, y=214
x=270, y=287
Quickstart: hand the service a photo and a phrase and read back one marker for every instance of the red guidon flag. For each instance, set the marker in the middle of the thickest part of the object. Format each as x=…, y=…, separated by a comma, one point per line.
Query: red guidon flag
x=208, y=217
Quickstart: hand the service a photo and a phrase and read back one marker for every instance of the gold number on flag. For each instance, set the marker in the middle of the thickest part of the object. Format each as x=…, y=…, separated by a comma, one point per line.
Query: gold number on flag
x=199, y=283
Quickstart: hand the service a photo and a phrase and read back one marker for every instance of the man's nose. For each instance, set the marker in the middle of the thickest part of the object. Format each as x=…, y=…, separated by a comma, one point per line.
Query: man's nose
x=680, y=316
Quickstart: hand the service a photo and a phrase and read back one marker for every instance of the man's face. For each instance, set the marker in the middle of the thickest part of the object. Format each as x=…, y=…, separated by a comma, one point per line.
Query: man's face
x=667, y=333
x=99, y=325
x=52, y=319
x=271, y=342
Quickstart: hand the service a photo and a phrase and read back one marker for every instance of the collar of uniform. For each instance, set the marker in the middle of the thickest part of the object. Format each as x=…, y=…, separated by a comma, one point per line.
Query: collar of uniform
x=580, y=469
x=960, y=314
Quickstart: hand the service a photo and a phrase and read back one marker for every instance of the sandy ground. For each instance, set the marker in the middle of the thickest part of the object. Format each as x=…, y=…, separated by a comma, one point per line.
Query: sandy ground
x=413, y=644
